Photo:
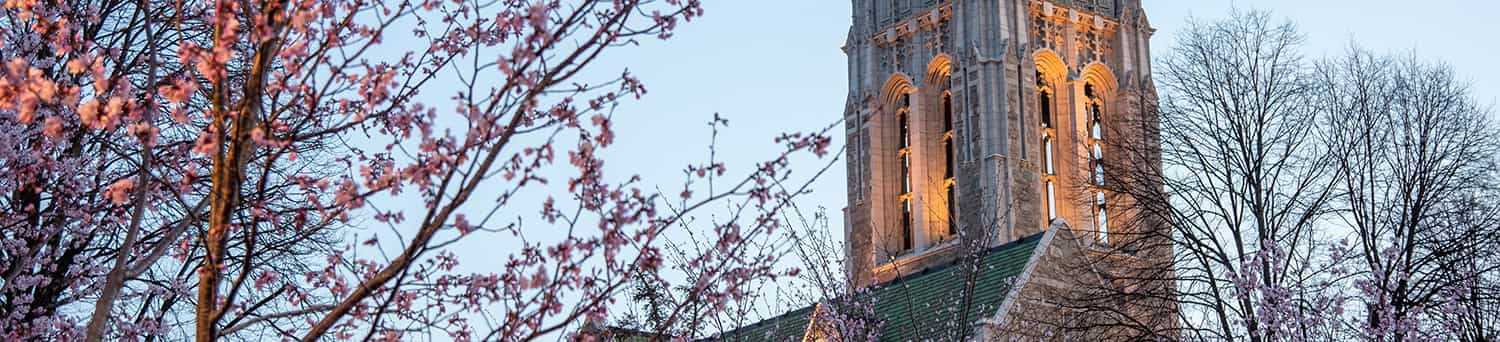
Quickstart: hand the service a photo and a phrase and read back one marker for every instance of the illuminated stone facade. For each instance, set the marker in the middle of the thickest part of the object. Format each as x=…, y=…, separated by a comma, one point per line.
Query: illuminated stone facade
x=985, y=141
x=948, y=140
x=984, y=137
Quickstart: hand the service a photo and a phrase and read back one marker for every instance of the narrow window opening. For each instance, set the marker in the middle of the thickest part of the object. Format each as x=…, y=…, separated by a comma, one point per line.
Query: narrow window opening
x=1102, y=217
x=952, y=213
x=1095, y=113
x=1049, y=134
x=949, y=166
x=1044, y=100
x=948, y=158
x=903, y=155
x=1048, y=166
x=906, y=226
x=1051, y=201
x=947, y=112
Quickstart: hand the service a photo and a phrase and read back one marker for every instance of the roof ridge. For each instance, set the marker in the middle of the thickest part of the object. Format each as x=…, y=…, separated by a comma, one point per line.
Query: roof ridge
x=751, y=332
x=945, y=266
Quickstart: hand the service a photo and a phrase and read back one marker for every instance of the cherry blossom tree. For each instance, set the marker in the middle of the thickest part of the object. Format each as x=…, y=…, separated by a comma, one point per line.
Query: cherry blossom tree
x=240, y=168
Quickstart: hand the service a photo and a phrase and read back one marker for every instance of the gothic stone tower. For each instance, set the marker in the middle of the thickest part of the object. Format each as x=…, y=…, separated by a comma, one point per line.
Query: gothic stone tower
x=981, y=122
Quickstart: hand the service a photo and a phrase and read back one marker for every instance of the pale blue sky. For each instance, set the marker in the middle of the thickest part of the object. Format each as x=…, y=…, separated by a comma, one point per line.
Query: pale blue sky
x=775, y=65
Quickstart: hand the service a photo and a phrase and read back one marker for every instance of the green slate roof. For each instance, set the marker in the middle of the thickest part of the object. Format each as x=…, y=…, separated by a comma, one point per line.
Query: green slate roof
x=787, y=327
x=924, y=305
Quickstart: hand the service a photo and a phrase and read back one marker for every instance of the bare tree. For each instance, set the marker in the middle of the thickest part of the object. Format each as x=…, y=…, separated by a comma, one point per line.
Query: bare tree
x=1243, y=183
x=1418, y=184
x=1270, y=162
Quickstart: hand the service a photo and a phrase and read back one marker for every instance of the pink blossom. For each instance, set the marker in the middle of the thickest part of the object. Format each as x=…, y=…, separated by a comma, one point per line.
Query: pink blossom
x=119, y=192
x=53, y=127
x=265, y=277
x=78, y=65
x=145, y=132
x=347, y=96
x=179, y=115
x=462, y=224
x=26, y=107
x=180, y=91
x=89, y=112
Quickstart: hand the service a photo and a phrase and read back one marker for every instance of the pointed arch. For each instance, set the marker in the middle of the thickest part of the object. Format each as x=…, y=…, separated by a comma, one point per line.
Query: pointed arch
x=899, y=84
x=940, y=110
x=1050, y=66
x=895, y=106
x=1051, y=72
x=940, y=69
x=1101, y=76
x=1100, y=87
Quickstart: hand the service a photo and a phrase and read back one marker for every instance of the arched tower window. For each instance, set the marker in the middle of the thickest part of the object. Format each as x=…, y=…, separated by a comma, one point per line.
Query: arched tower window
x=940, y=139
x=903, y=155
x=1049, y=142
x=1094, y=108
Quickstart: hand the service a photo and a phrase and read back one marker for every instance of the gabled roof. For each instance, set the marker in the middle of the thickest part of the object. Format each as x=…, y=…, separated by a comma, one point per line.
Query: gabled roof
x=919, y=305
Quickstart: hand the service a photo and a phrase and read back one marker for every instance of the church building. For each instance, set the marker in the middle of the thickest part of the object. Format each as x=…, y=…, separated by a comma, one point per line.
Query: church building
x=983, y=140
